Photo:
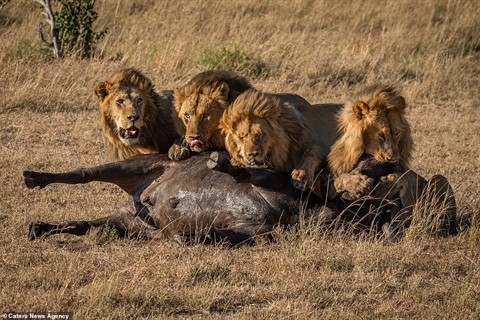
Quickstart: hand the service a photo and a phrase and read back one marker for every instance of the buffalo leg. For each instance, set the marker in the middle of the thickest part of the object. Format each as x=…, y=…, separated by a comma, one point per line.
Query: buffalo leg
x=433, y=199
x=41, y=229
x=130, y=175
x=124, y=221
x=243, y=233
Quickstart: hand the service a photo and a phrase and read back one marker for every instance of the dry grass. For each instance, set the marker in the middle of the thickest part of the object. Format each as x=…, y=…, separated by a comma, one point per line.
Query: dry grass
x=323, y=50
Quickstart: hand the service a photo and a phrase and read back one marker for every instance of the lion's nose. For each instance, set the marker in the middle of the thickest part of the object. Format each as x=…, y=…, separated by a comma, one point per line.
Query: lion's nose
x=133, y=117
x=194, y=137
x=253, y=154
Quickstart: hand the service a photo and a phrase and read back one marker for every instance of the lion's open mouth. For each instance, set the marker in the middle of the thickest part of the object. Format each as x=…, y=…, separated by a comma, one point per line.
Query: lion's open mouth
x=129, y=133
x=255, y=163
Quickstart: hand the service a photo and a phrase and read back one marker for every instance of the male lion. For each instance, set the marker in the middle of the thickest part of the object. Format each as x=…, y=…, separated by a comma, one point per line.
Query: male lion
x=200, y=104
x=371, y=158
x=374, y=125
x=134, y=118
x=260, y=130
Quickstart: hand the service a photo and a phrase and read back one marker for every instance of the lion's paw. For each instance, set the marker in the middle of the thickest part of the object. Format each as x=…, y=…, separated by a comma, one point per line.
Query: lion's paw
x=390, y=178
x=353, y=186
x=178, y=152
x=302, y=179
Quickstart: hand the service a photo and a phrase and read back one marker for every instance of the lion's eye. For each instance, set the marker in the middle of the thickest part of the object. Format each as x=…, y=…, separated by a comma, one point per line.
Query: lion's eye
x=186, y=116
x=139, y=101
x=206, y=117
x=382, y=137
x=120, y=102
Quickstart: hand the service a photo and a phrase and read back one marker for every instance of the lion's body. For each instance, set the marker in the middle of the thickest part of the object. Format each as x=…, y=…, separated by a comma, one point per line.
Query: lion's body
x=133, y=117
x=374, y=125
x=261, y=130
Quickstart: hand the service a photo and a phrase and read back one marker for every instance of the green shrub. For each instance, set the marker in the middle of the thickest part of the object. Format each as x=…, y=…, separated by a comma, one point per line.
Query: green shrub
x=74, y=23
x=235, y=60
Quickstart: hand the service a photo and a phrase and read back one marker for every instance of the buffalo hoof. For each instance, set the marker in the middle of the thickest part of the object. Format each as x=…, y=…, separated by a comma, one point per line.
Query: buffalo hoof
x=34, y=179
x=38, y=229
x=218, y=161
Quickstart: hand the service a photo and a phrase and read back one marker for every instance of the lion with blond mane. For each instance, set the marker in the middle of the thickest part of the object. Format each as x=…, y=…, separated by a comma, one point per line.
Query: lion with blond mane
x=373, y=129
x=371, y=158
x=261, y=130
x=134, y=118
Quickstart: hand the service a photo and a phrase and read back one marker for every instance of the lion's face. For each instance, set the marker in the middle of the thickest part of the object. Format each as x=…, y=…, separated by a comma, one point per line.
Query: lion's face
x=249, y=142
x=125, y=107
x=124, y=99
x=200, y=114
x=380, y=140
x=374, y=124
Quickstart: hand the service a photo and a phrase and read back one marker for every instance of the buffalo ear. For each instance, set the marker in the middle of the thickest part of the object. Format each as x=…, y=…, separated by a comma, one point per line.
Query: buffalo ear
x=101, y=91
x=360, y=109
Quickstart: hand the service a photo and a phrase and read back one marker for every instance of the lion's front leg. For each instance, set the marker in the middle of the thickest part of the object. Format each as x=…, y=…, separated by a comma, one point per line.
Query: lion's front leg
x=303, y=176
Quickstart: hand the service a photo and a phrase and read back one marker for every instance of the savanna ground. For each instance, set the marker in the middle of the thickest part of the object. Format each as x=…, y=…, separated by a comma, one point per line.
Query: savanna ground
x=322, y=50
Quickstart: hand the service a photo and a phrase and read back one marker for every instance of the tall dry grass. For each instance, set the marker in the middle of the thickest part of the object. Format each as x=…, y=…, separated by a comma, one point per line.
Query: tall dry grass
x=323, y=50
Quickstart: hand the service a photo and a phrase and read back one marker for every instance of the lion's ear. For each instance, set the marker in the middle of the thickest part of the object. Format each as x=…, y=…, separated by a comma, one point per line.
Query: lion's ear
x=178, y=98
x=401, y=104
x=221, y=90
x=360, y=109
x=145, y=85
x=101, y=91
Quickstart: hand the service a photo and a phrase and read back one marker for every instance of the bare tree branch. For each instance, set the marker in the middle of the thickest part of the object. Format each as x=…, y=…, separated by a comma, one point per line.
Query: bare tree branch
x=50, y=18
x=3, y=3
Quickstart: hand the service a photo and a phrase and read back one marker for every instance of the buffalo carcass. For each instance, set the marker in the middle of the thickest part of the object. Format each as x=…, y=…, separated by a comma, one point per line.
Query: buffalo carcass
x=203, y=198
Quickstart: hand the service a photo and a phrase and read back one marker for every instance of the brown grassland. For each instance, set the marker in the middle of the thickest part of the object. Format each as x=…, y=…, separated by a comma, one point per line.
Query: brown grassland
x=322, y=50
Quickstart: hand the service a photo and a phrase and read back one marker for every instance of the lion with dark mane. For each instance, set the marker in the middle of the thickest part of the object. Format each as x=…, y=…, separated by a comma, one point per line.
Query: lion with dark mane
x=134, y=118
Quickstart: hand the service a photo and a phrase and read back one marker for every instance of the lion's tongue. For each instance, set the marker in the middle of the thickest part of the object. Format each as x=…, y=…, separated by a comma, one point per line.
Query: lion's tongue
x=195, y=143
x=130, y=132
